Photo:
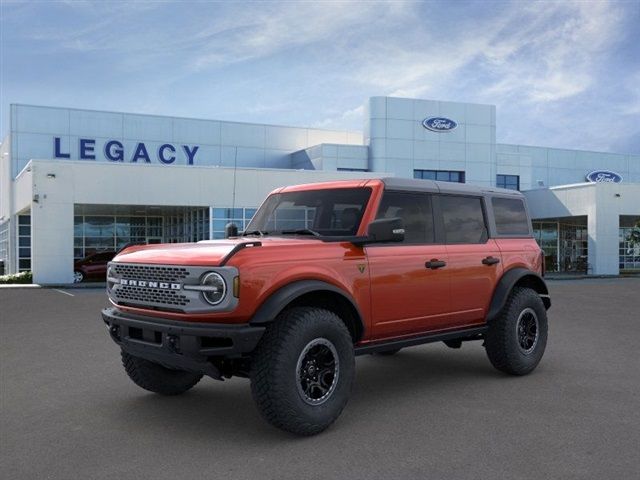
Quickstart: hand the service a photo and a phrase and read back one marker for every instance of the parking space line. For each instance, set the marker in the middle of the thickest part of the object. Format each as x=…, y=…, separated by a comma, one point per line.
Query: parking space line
x=66, y=293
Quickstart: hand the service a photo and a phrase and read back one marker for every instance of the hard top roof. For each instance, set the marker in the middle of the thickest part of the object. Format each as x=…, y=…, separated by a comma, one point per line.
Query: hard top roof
x=410, y=184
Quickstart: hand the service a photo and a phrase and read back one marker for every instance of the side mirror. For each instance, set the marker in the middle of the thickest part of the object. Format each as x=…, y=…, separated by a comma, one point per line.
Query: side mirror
x=385, y=230
x=230, y=230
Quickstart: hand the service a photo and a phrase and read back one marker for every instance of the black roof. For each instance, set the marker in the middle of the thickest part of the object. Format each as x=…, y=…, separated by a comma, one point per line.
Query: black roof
x=433, y=186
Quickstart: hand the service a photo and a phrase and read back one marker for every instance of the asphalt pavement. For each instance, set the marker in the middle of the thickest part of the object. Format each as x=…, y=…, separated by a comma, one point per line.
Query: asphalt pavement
x=68, y=410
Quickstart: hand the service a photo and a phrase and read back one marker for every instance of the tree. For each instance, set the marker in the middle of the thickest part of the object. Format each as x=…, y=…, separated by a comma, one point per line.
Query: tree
x=633, y=237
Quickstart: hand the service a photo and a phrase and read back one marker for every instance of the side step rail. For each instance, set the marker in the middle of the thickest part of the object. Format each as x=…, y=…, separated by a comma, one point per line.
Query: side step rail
x=474, y=333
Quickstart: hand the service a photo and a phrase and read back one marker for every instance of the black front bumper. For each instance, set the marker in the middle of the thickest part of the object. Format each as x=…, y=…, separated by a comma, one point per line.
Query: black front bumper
x=181, y=345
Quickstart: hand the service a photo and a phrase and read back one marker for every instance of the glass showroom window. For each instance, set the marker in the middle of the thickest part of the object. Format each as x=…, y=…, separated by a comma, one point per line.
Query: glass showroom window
x=4, y=247
x=189, y=225
x=98, y=233
x=240, y=216
x=24, y=243
x=546, y=234
x=574, y=244
x=440, y=175
x=510, y=182
x=629, y=244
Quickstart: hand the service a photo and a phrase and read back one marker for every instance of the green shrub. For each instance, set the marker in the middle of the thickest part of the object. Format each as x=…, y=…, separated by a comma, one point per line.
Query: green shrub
x=22, y=277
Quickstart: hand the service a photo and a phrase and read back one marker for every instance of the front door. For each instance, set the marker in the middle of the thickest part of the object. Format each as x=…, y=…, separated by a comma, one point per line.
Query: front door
x=409, y=280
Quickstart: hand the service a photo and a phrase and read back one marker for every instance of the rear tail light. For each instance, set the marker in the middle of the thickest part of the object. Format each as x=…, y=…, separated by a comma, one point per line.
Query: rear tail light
x=543, y=266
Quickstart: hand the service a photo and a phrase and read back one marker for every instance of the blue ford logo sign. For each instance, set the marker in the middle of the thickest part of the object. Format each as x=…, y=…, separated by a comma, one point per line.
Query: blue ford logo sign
x=598, y=176
x=439, y=124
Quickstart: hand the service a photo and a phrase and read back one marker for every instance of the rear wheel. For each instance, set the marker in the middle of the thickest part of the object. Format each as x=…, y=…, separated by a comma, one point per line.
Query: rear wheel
x=516, y=339
x=156, y=378
x=78, y=276
x=302, y=370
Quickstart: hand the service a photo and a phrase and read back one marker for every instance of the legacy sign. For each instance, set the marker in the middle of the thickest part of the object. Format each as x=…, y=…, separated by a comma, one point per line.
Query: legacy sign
x=115, y=151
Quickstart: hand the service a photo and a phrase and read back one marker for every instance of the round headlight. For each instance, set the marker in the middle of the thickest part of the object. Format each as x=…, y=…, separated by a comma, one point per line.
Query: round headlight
x=215, y=288
x=110, y=282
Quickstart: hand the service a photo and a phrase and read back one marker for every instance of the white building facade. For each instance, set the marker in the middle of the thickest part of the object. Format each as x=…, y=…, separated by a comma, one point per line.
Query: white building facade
x=75, y=182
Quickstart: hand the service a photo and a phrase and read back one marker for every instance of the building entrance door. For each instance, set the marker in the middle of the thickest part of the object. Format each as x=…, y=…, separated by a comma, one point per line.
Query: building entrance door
x=573, y=248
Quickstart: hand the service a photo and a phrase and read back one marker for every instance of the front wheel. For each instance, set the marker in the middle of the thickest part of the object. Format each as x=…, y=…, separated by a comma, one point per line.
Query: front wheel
x=78, y=276
x=302, y=371
x=516, y=339
x=156, y=378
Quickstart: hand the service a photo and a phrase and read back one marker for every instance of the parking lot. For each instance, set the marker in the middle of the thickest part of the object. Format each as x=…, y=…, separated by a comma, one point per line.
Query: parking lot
x=69, y=411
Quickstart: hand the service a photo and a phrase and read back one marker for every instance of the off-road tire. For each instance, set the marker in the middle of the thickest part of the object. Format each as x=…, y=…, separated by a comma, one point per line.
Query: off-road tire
x=388, y=353
x=275, y=374
x=156, y=378
x=502, y=342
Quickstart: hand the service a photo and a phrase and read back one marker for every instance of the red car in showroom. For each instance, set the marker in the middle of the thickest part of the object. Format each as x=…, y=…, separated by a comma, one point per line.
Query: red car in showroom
x=92, y=266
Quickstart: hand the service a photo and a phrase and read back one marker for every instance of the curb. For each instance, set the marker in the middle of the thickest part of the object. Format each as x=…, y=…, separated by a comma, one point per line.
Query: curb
x=20, y=285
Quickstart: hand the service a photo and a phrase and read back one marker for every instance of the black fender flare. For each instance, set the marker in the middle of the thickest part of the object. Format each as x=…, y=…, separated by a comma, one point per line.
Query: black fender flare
x=282, y=297
x=508, y=281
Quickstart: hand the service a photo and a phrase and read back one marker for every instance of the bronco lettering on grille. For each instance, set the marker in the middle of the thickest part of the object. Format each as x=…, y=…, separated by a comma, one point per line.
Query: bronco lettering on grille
x=149, y=284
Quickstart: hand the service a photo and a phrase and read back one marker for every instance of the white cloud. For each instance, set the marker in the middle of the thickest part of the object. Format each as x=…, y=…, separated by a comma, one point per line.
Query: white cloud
x=531, y=59
x=348, y=117
x=259, y=32
x=555, y=53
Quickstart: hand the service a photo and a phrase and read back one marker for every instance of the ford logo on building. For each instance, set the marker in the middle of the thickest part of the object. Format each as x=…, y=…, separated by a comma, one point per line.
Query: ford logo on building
x=439, y=124
x=598, y=176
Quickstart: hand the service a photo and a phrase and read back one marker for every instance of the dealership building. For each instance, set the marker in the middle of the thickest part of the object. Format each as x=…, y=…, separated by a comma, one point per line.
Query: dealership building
x=74, y=182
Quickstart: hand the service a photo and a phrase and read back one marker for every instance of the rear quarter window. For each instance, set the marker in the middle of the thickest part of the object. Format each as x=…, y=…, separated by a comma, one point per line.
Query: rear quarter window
x=511, y=216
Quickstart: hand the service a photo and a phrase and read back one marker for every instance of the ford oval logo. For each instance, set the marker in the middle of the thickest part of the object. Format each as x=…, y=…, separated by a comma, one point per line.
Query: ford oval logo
x=598, y=176
x=439, y=124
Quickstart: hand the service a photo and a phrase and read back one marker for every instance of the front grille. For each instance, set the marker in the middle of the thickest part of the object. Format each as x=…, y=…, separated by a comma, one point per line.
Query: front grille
x=149, y=296
x=145, y=295
x=151, y=272
x=165, y=287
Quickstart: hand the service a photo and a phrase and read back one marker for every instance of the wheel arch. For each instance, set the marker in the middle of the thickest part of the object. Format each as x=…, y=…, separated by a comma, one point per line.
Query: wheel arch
x=517, y=277
x=314, y=293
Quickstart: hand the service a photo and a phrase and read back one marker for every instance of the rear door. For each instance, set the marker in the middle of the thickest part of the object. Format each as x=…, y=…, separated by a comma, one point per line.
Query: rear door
x=474, y=259
x=409, y=280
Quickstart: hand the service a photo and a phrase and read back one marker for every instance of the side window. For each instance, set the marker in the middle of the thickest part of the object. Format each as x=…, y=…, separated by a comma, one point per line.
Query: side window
x=415, y=211
x=511, y=217
x=463, y=219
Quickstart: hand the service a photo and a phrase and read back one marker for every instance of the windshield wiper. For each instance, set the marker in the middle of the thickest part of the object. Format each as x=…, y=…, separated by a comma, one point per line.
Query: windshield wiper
x=260, y=233
x=301, y=231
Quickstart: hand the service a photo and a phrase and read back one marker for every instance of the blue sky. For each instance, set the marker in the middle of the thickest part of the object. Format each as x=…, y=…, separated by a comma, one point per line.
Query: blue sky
x=563, y=74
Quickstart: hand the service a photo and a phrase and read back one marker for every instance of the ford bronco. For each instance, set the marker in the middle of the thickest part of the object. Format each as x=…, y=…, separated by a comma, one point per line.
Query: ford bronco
x=325, y=272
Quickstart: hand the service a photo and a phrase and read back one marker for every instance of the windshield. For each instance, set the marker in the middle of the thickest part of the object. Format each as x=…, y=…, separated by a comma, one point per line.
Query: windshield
x=327, y=212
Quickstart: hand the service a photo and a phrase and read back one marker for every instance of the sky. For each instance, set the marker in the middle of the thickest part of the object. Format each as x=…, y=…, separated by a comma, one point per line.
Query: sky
x=562, y=74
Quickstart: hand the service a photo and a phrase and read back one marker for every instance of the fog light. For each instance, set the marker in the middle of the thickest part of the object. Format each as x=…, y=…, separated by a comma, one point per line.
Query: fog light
x=215, y=288
x=114, y=330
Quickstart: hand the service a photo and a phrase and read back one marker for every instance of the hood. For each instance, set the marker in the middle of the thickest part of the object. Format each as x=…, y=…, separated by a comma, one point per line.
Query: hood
x=206, y=253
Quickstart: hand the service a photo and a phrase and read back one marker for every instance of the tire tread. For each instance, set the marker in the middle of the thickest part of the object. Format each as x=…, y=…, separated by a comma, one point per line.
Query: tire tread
x=156, y=378
x=500, y=340
x=266, y=370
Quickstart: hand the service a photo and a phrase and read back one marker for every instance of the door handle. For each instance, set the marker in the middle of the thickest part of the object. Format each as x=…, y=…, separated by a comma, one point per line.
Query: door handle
x=490, y=260
x=435, y=263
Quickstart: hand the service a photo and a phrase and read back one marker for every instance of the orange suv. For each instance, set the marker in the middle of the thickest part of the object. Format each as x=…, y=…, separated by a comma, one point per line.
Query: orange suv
x=325, y=272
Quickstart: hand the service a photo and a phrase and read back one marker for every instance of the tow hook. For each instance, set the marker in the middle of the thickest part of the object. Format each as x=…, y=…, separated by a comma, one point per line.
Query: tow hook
x=114, y=331
x=173, y=343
